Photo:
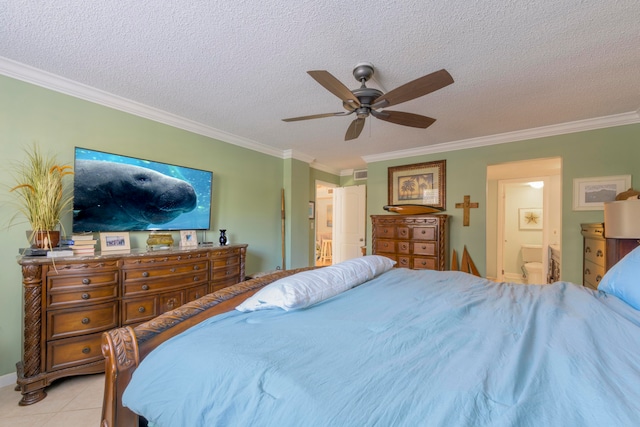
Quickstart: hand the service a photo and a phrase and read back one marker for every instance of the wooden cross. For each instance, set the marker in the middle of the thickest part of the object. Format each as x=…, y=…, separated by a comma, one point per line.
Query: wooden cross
x=466, y=205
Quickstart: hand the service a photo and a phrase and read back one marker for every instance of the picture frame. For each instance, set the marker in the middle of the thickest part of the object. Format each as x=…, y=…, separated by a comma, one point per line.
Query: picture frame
x=530, y=218
x=188, y=239
x=115, y=241
x=312, y=210
x=589, y=194
x=418, y=184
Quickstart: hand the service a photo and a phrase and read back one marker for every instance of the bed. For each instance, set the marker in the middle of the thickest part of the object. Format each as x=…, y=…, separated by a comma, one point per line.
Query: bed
x=363, y=344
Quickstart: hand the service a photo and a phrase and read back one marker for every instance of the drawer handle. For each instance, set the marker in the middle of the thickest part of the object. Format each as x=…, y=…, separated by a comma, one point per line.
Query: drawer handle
x=196, y=278
x=197, y=295
x=423, y=263
x=226, y=273
x=145, y=287
x=404, y=262
x=598, y=278
x=85, y=321
x=86, y=281
x=196, y=267
x=171, y=302
x=587, y=271
x=145, y=274
x=423, y=232
x=86, y=296
x=141, y=309
x=587, y=250
x=86, y=350
x=173, y=270
x=599, y=253
x=424, y=247
x=228, y=262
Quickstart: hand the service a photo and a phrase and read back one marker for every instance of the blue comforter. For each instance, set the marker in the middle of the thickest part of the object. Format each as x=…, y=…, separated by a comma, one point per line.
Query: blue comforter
x=408, y=348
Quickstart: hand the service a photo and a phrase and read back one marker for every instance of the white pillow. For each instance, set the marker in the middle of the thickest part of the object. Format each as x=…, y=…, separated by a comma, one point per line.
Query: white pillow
x=309, y=287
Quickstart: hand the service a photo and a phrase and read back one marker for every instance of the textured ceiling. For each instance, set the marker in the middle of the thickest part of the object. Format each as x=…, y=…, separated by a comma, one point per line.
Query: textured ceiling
x=240, y=66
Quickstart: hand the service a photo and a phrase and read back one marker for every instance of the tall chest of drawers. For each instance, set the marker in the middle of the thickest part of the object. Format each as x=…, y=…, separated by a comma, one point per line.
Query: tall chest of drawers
x=70, y=302
x=413, y=241
x=594, y=254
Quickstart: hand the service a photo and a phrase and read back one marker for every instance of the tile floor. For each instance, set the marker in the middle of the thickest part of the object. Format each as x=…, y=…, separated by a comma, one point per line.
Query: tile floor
x=70, y=402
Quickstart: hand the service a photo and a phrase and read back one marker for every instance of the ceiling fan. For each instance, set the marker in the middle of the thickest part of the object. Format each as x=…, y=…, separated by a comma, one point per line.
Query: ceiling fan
x=366, y=101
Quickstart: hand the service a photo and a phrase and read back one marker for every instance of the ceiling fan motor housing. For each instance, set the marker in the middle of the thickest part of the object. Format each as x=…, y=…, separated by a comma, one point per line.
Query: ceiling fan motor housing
x=363, y=71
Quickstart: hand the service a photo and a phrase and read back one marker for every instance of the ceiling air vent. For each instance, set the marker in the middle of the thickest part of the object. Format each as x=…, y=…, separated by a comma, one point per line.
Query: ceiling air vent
x=359, y=175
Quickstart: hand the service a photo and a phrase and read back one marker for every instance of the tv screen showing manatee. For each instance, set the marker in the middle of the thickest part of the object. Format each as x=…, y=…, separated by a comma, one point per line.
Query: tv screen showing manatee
x=119, y=193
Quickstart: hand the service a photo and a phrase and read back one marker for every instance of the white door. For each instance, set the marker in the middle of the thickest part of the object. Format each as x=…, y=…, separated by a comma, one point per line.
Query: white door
x=349, y=222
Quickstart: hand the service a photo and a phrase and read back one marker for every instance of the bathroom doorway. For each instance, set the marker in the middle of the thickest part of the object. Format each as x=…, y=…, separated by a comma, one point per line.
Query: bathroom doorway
x=518, y=214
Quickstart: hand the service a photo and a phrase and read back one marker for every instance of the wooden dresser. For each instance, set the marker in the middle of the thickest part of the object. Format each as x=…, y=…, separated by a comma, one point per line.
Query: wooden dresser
x=70, y=303
x=414, y=241
x=600, y=253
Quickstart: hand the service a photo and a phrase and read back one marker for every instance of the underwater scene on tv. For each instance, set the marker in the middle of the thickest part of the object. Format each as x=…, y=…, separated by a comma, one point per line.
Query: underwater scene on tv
x=119, y=193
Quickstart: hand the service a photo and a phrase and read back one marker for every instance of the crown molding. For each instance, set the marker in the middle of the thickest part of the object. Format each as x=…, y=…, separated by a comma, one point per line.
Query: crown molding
x=628, y=118
x=70, y=87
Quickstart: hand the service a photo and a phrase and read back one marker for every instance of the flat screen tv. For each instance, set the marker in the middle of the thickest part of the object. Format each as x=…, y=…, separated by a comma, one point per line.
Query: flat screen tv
x=119, y=193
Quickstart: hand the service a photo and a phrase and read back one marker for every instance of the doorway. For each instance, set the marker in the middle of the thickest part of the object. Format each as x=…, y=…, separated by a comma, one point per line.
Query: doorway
x=512, y=204
x=324, y=223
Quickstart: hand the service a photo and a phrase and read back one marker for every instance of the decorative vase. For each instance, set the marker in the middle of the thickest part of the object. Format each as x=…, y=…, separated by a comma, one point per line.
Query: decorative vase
x=223, y=238
x=43, y=239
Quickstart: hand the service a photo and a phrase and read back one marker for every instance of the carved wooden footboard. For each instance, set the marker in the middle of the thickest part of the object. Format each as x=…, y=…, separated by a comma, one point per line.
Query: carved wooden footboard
x=124, y=348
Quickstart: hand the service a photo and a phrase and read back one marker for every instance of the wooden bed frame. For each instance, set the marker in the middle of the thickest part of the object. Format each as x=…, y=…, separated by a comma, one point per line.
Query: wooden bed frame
x=124, y=348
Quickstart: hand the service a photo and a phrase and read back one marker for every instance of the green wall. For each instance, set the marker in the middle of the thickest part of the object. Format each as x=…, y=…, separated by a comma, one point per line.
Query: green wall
x=247, y=204
x=603, y=152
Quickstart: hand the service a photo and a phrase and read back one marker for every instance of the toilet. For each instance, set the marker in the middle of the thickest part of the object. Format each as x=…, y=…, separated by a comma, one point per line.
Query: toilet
x=532, y=268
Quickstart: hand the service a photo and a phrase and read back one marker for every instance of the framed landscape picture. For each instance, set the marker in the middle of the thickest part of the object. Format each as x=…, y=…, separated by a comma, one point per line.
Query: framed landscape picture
x=590, y=193
x=418, y=184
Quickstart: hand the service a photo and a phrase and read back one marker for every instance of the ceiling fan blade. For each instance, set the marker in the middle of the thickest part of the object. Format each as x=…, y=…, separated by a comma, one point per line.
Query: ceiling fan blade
x=414, y=89
x=335, y=86
x=355, y=128
x=317, y=116
x=404, y=119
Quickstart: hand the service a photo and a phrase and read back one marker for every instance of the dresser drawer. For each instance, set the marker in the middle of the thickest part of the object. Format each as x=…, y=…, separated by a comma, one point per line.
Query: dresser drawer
x=424, y=263
x=197, y=292
x=138, y=310
x=232, y=271
x=593, y=273
x=170, y=301
x=141, y=287
x=386, y=231
x=385, y=246
x=69, y=352
x=80, y=321
x=64, y=281
x=156, y=272
x=226, y=262
x=84, y=295
x=594, y=251
x=425, y=248
x=424, y=233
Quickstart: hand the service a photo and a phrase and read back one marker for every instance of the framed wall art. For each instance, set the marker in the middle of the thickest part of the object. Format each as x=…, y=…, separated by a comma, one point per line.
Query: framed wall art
x=115, y=241
x=418, y=184
x=530, y=218
x=589, y=194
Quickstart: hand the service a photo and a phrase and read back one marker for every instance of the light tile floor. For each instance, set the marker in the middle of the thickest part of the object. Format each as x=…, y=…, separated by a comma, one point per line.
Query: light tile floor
x=70, y=402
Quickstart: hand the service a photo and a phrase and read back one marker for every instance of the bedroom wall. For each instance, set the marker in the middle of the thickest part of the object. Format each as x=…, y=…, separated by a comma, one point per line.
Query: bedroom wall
x=246, y=204
x=602, y=152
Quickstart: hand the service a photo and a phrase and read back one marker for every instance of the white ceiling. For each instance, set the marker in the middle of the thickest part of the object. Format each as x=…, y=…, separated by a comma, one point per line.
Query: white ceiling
x=238, y=67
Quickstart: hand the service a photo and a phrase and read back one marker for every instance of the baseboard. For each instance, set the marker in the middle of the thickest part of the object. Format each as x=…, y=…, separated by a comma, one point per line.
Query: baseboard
x=513, y=278
x=8, y=379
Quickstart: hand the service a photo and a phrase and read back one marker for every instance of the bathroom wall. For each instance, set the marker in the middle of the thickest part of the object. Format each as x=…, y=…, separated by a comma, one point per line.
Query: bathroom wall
x=519, y=195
